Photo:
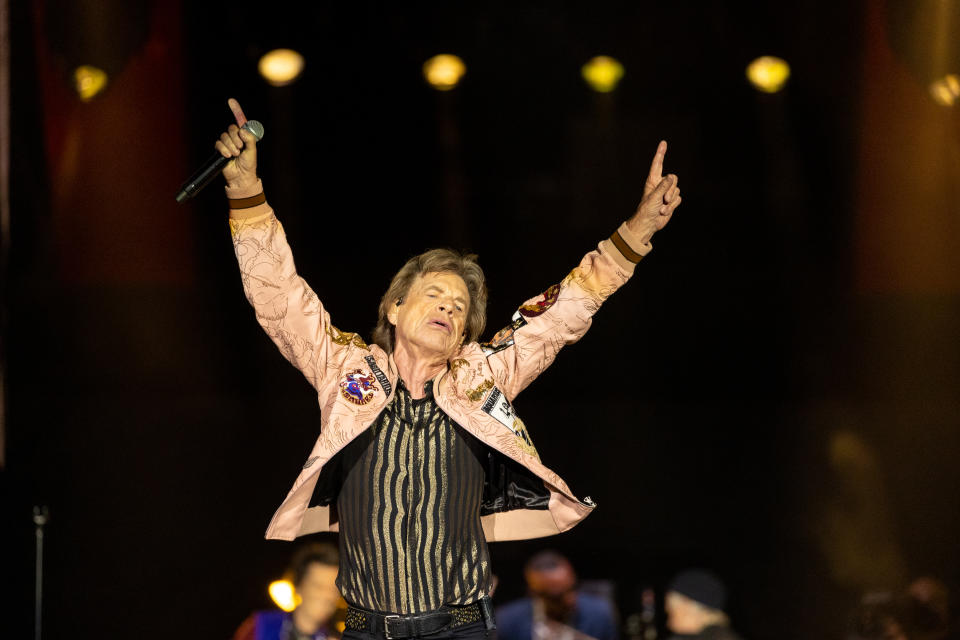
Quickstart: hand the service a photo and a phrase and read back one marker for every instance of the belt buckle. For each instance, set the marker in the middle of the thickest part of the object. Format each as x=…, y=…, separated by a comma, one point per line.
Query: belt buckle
x=386, y=625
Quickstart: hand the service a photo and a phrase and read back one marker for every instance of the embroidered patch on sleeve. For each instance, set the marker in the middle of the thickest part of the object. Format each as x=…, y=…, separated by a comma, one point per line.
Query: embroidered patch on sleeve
x=503, y=338
x=547, y=300
x=357, y=387
x=499, y=408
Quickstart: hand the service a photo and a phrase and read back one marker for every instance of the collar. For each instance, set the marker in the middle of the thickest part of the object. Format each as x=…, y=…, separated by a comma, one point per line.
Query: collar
x=427, y=388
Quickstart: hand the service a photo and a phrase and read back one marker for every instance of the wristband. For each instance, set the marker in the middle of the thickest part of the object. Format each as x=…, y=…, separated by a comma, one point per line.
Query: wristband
x=624, y=248
x=246, y=203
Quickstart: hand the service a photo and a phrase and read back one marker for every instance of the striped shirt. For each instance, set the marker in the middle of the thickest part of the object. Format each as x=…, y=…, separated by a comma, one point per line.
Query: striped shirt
x=409, y=511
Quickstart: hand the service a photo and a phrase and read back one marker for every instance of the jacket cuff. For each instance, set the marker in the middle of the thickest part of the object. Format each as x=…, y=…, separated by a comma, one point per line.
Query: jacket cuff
x=626, y=248
x=247, y=202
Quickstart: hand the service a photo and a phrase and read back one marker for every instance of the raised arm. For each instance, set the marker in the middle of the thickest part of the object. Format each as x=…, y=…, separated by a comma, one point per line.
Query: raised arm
x=285, y=306
x=562, y=314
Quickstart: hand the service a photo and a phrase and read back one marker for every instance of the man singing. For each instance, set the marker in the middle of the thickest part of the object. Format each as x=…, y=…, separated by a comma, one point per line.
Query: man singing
x=421, y=459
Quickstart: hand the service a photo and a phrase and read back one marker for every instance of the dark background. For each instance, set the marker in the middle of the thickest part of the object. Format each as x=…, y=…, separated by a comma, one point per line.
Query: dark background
x=773, y=395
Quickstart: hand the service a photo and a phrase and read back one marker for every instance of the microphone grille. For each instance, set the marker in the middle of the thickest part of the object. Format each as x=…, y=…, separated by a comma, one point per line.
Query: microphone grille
x=254, y=127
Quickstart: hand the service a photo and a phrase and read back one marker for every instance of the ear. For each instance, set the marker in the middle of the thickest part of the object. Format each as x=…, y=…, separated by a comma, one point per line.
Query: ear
x=393, y=312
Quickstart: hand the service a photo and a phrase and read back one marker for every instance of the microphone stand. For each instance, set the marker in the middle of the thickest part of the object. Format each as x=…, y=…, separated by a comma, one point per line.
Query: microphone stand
x=40, y=517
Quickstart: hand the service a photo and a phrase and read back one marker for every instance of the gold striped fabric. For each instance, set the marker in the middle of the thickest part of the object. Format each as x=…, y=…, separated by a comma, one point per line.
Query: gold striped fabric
x=409, y=511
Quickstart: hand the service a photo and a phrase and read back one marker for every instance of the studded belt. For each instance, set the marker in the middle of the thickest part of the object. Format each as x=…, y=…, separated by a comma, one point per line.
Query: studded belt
x=395, y=627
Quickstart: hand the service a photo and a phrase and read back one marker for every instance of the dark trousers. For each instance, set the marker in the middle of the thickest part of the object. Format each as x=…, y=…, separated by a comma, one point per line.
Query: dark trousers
x=473, y=631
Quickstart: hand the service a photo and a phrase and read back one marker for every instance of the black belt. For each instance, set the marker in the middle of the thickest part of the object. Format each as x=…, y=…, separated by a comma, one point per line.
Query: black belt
x=412, y=626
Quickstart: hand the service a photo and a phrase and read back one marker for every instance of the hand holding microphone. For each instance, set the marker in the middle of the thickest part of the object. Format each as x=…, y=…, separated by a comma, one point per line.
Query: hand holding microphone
x=236, y=156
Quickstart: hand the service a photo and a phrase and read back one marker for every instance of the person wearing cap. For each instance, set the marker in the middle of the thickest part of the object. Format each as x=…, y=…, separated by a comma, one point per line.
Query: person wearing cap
x=696, y=604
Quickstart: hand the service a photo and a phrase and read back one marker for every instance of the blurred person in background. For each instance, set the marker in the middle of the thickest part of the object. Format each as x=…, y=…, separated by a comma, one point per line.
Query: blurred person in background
x=695, y=604
x=932, y=599
x=555, y=607
x=919, y=611
x=313, y=572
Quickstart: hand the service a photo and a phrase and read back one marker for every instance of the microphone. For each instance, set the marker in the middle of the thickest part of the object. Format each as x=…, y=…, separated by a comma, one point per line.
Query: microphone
x=213, y=166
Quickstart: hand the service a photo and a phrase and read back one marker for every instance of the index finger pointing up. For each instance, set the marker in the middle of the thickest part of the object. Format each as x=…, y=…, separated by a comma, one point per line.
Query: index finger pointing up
x=238, y=112
x=656, y=167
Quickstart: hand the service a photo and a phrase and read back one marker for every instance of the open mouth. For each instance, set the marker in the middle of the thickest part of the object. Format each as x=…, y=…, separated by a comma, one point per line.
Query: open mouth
x=440, y=324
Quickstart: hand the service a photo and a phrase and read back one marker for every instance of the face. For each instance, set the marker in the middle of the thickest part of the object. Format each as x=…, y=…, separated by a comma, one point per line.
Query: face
x=684, y=616
x=556, y=589
x=319, y=592
x=431, y=318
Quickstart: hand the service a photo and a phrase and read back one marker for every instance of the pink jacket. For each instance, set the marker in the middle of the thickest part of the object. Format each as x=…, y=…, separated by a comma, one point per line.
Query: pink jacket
x=355, y=381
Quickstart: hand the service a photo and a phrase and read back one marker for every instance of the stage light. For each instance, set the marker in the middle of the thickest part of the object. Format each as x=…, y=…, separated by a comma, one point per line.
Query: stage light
x=602, y=73
x=444, y=71
x=280, y=67
x=89, y=81
x=284, y=595
x=768, y=73
x=946, y=90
